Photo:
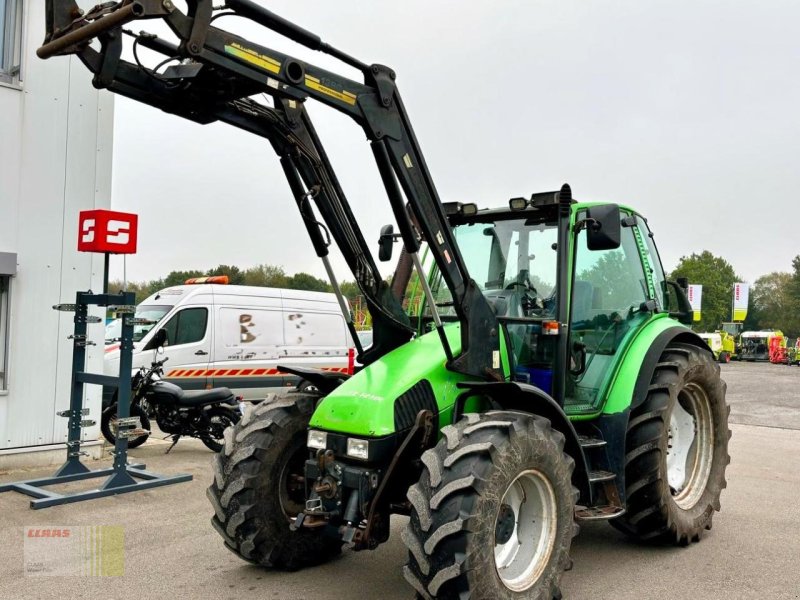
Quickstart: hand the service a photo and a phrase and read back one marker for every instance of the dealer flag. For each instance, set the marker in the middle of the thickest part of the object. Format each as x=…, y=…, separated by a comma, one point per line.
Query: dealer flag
x=741, y=296
x=695, y=293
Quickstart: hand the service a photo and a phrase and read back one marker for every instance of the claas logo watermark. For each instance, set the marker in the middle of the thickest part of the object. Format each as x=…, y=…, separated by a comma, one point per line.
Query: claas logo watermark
x=89, y=550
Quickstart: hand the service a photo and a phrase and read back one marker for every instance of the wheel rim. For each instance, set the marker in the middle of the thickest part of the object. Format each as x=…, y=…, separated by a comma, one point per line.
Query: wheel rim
x=525, y=530
x=291, y=491
x=690, y=446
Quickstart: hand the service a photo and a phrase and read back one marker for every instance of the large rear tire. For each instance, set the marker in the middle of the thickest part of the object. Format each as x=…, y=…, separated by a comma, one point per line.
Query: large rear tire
x=677, y=450
x=259, y=486
x=492, y=513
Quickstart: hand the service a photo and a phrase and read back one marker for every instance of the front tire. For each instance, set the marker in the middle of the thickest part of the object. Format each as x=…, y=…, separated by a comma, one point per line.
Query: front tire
x=259, y=486
x=492, y=513
x=677, y=450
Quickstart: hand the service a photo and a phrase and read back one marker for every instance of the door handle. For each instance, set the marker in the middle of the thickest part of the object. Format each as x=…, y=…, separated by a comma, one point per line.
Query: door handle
x=200, y=353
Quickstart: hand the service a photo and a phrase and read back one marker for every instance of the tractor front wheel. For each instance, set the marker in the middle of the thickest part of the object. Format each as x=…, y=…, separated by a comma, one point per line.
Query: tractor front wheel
x=677, y=450
x=492, y=514
x=259, y=486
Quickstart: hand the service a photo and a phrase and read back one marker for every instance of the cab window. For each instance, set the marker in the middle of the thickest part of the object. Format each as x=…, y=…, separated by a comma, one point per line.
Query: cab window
x=187, y=326
x=608, y=292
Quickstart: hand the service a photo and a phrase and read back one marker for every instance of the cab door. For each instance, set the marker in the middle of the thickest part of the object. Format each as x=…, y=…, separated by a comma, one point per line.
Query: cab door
x=188, y=347
x=608, y=291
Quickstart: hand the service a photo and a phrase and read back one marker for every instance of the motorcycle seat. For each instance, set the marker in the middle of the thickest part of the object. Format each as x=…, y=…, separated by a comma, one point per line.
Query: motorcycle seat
x=220, y=395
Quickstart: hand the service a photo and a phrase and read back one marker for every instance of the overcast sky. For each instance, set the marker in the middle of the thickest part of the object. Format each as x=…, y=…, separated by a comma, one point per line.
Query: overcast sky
x=684, y=109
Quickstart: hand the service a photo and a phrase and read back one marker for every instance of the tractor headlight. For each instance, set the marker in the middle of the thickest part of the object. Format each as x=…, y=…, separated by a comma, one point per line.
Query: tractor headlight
x=317, y=439
x=358, y=448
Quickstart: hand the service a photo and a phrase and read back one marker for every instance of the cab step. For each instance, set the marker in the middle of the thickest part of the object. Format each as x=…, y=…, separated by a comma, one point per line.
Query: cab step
x=590, y=442
x=598, y=513
x=598, y=476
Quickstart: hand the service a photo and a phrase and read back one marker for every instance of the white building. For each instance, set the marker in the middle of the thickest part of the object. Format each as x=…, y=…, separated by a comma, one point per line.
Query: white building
x=55, y=160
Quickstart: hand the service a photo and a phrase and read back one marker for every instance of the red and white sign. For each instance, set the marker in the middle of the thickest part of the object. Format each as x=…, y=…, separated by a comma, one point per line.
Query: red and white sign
x=107, y=231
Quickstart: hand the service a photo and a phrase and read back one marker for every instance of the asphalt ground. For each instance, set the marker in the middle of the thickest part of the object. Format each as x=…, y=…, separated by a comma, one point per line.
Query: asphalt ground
x=752, y=552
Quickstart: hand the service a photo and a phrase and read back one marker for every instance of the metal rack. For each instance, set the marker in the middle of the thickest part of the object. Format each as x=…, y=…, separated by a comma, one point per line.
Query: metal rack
x=122, y=477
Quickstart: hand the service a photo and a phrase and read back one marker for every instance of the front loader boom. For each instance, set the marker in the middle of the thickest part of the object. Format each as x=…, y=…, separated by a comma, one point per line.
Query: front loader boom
x=215, y=79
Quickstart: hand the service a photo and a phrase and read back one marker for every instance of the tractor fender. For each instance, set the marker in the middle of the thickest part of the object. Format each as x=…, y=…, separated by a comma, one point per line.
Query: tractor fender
x=657, y=347
x=511, y=395
x=324, y=381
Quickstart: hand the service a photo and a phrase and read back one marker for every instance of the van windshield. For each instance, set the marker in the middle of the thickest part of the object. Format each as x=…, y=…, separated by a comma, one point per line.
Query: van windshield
x=151, y=312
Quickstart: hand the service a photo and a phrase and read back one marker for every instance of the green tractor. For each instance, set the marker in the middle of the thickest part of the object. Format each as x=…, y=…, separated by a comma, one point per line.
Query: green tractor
x=546, y=378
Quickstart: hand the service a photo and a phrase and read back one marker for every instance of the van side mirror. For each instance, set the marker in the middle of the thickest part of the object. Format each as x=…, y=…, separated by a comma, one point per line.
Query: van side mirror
x=603, y=229
x=159, y=340
x=386, y=243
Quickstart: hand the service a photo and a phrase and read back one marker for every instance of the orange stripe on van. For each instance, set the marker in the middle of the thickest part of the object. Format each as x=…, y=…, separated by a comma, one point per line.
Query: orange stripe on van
x=246, y=372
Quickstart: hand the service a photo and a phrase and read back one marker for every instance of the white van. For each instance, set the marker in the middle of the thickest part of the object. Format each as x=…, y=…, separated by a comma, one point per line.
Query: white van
x=236, y=336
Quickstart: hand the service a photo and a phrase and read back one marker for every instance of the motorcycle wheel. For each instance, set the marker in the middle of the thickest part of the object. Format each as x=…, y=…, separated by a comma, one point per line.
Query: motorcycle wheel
x=220, y=419
x=108, y=425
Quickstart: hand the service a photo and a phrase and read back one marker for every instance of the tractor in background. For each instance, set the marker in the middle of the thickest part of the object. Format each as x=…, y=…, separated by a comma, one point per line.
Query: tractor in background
x=722, y=344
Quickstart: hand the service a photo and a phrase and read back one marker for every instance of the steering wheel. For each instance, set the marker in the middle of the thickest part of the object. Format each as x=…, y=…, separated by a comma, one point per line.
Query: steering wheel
x=530, y=301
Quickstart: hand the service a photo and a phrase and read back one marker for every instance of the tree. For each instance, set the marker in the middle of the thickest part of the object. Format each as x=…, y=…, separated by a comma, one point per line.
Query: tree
x=613, y=279
x=717, y=277
x=235, y=275
x=140, y=288
x=306, y=281
x=266, y=276
x=176, y=278
x=770, y=303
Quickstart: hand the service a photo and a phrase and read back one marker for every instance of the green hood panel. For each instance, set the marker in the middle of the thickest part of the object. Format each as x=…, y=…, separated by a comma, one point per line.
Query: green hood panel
x=364, y=404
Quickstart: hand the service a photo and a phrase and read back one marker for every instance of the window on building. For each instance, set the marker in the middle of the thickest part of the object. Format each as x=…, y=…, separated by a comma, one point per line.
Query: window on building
x=5, y=289
x=10, y=39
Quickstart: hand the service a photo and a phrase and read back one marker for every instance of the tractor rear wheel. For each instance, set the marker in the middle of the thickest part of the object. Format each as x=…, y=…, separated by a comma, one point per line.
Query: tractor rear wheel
x=259, y=486
x=492, y=514
x=677, y=450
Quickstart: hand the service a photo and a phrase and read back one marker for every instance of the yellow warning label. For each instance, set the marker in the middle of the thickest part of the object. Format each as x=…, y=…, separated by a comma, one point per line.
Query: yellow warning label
x=343, y=96
x=254, y=58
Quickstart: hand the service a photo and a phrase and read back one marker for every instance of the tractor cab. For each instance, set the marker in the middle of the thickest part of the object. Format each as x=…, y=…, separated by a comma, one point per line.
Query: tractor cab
x=548, y=279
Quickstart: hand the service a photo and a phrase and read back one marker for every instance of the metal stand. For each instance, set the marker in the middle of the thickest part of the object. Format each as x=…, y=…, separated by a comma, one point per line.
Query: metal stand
x=121, y=475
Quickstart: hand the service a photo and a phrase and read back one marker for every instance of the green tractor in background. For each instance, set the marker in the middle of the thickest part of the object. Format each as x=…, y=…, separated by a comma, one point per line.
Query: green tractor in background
x=547, y=378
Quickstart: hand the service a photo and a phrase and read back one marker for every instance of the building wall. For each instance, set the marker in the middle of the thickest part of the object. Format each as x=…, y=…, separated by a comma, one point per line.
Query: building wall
x=55, y=160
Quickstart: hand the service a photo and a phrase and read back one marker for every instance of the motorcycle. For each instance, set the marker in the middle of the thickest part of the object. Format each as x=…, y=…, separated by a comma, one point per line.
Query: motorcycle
x=203, y=414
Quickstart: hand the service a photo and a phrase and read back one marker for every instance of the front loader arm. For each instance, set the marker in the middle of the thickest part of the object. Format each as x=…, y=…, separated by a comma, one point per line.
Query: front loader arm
x=220, y=71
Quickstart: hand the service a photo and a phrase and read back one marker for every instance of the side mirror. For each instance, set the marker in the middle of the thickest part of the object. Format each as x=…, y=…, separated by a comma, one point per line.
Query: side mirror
x=684, y=314
x=386, y=243
x=603, y=230
x=159, y=340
